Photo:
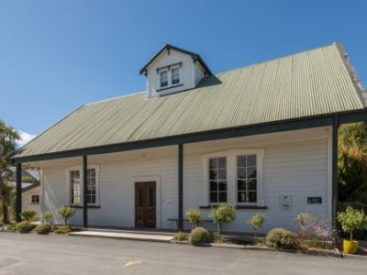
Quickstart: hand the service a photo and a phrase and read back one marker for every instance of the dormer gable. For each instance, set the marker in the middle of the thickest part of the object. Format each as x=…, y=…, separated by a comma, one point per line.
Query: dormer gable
x=172, y=70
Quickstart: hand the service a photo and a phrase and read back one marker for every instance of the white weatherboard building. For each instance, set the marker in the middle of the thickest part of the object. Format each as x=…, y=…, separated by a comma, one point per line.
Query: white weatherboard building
x=261, y=137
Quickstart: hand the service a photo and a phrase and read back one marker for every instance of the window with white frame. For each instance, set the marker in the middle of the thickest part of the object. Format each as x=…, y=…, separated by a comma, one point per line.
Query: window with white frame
x=75, y=187
x=218, y=180
x=234, y=176
x=92, y=186
x=35, y=199
x=246, y=179
x=175, y=75
x=163, y=75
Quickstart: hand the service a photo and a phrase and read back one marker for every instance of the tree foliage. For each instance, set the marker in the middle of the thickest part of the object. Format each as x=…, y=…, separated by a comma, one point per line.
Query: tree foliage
x=8, y=139
x=352, y=163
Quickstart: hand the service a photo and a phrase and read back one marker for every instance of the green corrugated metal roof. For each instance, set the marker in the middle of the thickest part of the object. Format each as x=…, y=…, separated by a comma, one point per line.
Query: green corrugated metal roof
x=310, y=83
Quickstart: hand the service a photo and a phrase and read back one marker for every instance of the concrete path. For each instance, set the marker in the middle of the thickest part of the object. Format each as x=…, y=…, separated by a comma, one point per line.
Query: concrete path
x=24, y=254
x=124, y=235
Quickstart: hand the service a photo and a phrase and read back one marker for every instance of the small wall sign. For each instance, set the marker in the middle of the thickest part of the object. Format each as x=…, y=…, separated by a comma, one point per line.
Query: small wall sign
x=314, y=200
x=285, y=202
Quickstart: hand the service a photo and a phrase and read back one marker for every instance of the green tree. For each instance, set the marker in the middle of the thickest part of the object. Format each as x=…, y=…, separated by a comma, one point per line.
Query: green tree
x=8, y=139
x=352, y=163
x=66, y=213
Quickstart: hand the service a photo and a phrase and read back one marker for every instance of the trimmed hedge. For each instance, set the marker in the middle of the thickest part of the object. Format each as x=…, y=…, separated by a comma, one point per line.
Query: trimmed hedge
x=64, y=229
x=281, y=238
x=44, y=228
x=25, y=227
x=199, y=235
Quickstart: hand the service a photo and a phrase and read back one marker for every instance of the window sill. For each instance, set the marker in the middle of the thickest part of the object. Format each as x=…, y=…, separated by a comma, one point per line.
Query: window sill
x=170, y=87
x=89, y=206
x=237, y=207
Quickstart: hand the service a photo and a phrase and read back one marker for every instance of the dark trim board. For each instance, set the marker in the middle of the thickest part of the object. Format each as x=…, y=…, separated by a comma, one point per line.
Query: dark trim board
x=249, y=207
x=264, y=128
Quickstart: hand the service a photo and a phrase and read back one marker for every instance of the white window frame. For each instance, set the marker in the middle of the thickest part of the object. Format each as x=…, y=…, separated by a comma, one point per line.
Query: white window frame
x=232, y=188
x=36, y=203
x=179, y=75
x=80, y=169
x=168, y=78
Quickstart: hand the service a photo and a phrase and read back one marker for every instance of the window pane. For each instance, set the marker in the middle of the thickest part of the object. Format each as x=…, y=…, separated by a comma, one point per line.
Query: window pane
x=241, y=173
x=175, y=74
x=251, y=160
x=246, y=179
x=163, y=78
x=222, y=186
x=221, y=162
x=241, y=185
x=241, y=197
x=251, y=172
x=212, y=163
x=222, y=197
x=213, y=197
x=222, y=174
x=252, y=197
x=213, y=186
x=251, y=184
x=212, y=174
x=241, y=161
x=217, y=179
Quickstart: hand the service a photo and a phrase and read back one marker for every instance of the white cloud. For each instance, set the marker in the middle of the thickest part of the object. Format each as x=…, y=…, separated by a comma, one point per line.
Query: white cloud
x=25, y=138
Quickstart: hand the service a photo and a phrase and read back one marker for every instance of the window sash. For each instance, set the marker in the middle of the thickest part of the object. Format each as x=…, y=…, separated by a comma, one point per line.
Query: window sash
x=76, y=187
x=163, y=79
x=175, y=76
x=247, y=179
x=217, y=177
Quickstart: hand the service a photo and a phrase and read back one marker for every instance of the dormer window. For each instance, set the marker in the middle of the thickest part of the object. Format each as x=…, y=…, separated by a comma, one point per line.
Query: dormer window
x=175, y=76
x=163, y=78
x=172, y=70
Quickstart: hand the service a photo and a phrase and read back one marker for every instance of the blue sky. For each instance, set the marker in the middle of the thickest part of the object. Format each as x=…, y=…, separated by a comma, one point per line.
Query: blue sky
x=58, y=55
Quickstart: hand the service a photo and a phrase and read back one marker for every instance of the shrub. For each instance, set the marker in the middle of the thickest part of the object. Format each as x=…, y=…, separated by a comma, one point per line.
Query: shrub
x=216, y=237
x=194, y=216
x=281, y=238
x=314, y=229
x=25, y=227
x=44, y=228
x=28, y=215
x=12, y=227
x=64, y=229
x=351, y=220
x=180, y=236
x=66, y=212
x=199, y=235
x=256, y=222
x=223, y=214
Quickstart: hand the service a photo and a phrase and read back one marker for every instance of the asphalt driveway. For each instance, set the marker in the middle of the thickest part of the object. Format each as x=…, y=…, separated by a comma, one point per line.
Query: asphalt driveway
x=34, y=254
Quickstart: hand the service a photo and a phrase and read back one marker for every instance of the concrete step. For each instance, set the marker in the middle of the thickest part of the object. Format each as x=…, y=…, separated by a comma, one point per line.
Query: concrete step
x=123, y=235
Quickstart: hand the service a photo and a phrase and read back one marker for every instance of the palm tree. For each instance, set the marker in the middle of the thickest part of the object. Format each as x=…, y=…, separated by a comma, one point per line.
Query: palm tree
x=8, y=138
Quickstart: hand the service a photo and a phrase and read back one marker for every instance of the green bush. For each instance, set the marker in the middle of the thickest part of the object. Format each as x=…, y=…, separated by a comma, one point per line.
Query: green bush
x=12, y=227
x=256, y=222
x=281, y=238
x=216, y=237
x=64, y=229
x=194, y=216
x=223, y=214
x=66, y=213
x=351, y=220
x=199, y=235
x=25, y=227
x=180, y=236
x=43, y=228
x=28, y=215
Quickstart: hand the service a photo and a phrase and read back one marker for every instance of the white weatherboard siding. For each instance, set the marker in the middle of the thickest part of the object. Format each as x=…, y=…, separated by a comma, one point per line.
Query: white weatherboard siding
x=295, y=163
